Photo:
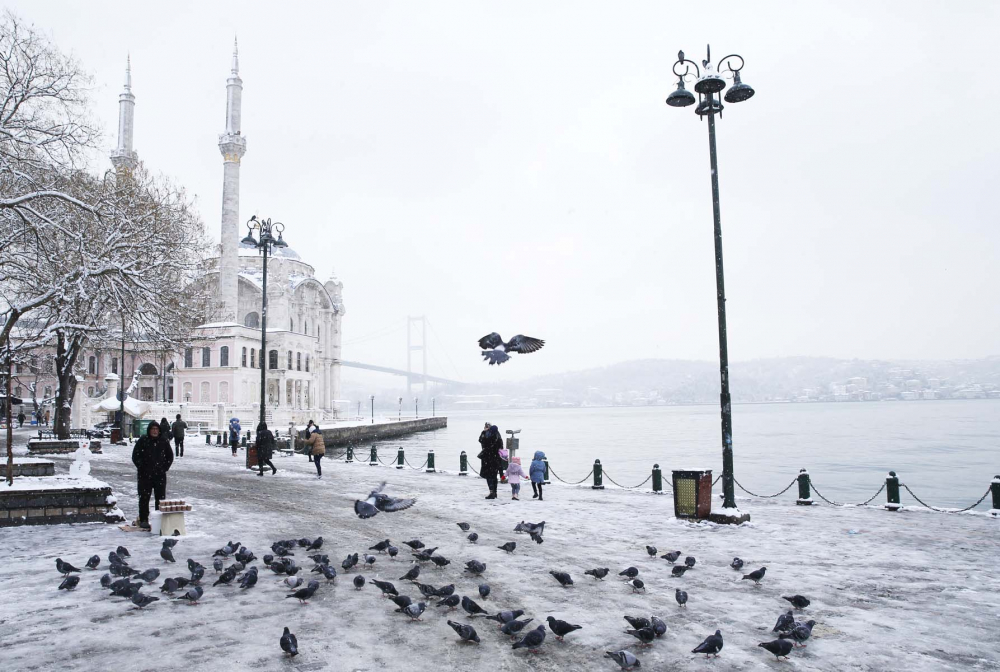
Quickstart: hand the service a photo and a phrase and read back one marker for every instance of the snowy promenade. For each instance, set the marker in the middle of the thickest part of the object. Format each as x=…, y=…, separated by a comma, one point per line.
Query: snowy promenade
x=914, y=591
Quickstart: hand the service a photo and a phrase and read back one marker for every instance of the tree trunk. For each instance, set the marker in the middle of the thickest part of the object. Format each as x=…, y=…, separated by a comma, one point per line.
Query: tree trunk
x=67, y=350
x=10, y=421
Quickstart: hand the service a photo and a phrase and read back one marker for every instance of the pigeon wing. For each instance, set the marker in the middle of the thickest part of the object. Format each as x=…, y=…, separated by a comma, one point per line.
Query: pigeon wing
x=494, y=340
x=391, y=504
x=365, y=509
x=523, y=344
x=495, y=356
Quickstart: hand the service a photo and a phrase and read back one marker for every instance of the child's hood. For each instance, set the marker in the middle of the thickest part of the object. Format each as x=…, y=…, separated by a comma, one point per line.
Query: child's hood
x=539, y=455
x=516, y=460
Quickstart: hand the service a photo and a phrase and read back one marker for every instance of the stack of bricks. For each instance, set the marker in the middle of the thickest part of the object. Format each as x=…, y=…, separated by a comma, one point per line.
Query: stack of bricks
x=173, y=506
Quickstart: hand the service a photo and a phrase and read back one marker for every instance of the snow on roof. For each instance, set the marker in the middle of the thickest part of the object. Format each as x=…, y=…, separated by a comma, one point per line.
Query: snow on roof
x=133, y=406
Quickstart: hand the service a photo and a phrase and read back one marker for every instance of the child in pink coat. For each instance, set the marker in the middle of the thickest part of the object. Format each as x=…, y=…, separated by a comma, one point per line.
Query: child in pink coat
x=514, y=474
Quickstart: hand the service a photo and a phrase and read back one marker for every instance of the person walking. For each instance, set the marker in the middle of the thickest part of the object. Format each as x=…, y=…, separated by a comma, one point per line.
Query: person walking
x=178, y=428
x=165, y=430
x=537, y=471
x=20, y=419
x=152, y=458
x=234, y=434
x=489, y=457
x=317, y=449
x=265, y=448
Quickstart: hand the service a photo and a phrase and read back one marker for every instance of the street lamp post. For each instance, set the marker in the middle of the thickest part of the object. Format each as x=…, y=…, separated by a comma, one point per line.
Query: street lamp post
x=416, y=407
x=400, y=408
x=267, y=240
x=433, y=409
x=373, y=409
x=709, y=86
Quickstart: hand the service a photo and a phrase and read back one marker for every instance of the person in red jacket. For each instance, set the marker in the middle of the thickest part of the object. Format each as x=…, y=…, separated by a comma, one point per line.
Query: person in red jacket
x=152, y=458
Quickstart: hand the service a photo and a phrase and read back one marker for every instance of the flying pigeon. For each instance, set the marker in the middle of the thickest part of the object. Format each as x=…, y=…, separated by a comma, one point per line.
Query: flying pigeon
x=289, y=644
x=637, y=585
x=651, y=550
x=711, y=646
x=169, y=586
x=779, y=647
x=755, y=575
x=638, y=622
x=561, y=628
x=629, y=573
x=798, y=601
x=473, y=537
x=644, y=635
x=440, y=561
x=736, y=564
x=401, y=601
x=681, y=597
x=532, y=640
x=671, y=556
x=451, y=602
x=800, y=633
x=380, y=546
x=658, y=626
x=65, y=567
x=167, y=554
x=464, y=526
x=786, y=622
x=495, y=350
x=412, y=574
x=598, y=573
x=69, y=582
x=386, y=587
x=141, y=601
x=484, y=590
x=509, y=546
x=414, y=610
x=512, y=627
x=506, y=616
x=467, y=633
x=563, y=578
x=679, y=570
x=94, y=561
x=624, y=658
x=415, y=544
x=169, y=543
x=123, y=552
x=192, y=595
x=471, y=607
x=378, y=501
x=474, y=567
x=150, y=575
x=689, y=561
x=359, y=582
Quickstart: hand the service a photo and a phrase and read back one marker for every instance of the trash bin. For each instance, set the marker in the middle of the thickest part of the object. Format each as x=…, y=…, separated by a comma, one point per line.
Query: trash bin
x=252, y=456
x=116, y=435
x=139, y=427
x=693, y=494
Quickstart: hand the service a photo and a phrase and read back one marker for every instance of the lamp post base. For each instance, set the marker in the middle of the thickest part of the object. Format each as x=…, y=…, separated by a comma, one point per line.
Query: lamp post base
x=729, y=517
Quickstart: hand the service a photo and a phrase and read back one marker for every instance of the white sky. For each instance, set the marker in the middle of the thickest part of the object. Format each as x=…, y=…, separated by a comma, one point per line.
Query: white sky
x=513, y=167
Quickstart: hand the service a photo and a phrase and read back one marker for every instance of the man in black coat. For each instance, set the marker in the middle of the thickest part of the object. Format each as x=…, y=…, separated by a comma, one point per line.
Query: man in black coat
x=489, y=457
x=152, y=458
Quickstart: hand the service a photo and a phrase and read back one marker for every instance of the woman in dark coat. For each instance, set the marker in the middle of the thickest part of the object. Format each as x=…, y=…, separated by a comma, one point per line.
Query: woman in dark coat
x=489, y=457
x=265, y=448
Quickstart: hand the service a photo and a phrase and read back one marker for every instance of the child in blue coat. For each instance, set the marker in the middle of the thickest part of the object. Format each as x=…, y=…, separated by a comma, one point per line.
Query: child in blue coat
x=537, y=472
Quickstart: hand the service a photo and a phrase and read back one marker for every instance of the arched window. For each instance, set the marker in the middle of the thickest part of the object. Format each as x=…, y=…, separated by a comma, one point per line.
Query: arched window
x=307, y=362
x=187, y=392
x=298, y=361
x=206, y=357
x=253, y=363
x=188, y=357
x=147, y=369
x=206, y=394
x=272, y=359
x=223, y=392
x=252, y=320
x=289, y=360
x=224, y=356
x=243, y=362
x=91, y=365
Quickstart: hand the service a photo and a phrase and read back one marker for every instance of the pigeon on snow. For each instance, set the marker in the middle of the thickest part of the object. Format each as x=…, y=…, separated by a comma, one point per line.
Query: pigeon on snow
x=681, y=596
x=484, y=590
x=167, y=554
x=141, y=601
x=359, y=582
x=679, y=570
x=532, y=640
x=509, y=546
x=65, y=567
x=380, y=546
x=563, y=578
x=473, y=537
x=561, y=628
x=598, y=573
x=467, y=633
x=651, y=550
x=412, y=574
x=464, y=526
x=798, y=601
x=506, y=616
x=414, y=610
x=736, y=564
x=779, y=647
x=800, y=633
x=644, y=635
x=471, y=607
x=658, y=626
x=786, y=622
x=289, y=644
x=511, y=628
x=671, y=556
x=637, y=585
x=755, y=575
x=495, y=350
x=629, y=573
x=474, y=567
x=94, y=561
x=452, y=601
x=624, y=658
x=379, y=501
x=711, y=646
x=689, y=561
x=70, y=582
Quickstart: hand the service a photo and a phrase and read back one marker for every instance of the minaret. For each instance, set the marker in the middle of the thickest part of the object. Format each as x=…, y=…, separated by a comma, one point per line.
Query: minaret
x=124, y=157
x=233, y=146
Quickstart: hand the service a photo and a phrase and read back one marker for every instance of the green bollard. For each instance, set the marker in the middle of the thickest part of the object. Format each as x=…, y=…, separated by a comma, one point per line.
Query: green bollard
x=218, y=439
x=430, y=462
x=208, y=439
x=373, y=461
x=995, y=489
x=657, y=480
x=463, y=464
x=805, y=497
x=892, y=492
x=244, y=442
x=350, y=454
x=598, y=476
x=545, y=477
x=400, y=458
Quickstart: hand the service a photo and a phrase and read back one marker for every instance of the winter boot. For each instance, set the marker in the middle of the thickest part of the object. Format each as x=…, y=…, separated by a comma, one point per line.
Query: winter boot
x=492, y=495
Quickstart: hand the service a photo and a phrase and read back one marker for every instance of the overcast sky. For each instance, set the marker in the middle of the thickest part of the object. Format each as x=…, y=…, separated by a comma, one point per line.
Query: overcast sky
x=513, y=167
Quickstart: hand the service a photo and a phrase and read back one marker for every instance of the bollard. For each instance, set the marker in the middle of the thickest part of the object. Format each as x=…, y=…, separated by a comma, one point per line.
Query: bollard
x=463, y=464
x=657, y=480
x=892, y=492
x=244, y=442
x=218, y=439
x=350, y=454
x=373, y=460
x=805, y=497
x=400, y=458
x=545, y=477
x=208, y=439
x=995, y=489
x=598, y=476
x=430, y=461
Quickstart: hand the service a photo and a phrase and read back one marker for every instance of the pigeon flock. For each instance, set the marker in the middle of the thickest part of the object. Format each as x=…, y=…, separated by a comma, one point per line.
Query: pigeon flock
x=234, y=567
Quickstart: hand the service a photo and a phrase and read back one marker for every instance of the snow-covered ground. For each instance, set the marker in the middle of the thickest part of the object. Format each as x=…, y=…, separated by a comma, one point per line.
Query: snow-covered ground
x=910, y=591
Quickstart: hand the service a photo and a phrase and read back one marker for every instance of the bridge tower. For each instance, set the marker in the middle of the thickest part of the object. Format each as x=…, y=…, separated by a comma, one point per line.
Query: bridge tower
x=421, y=322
